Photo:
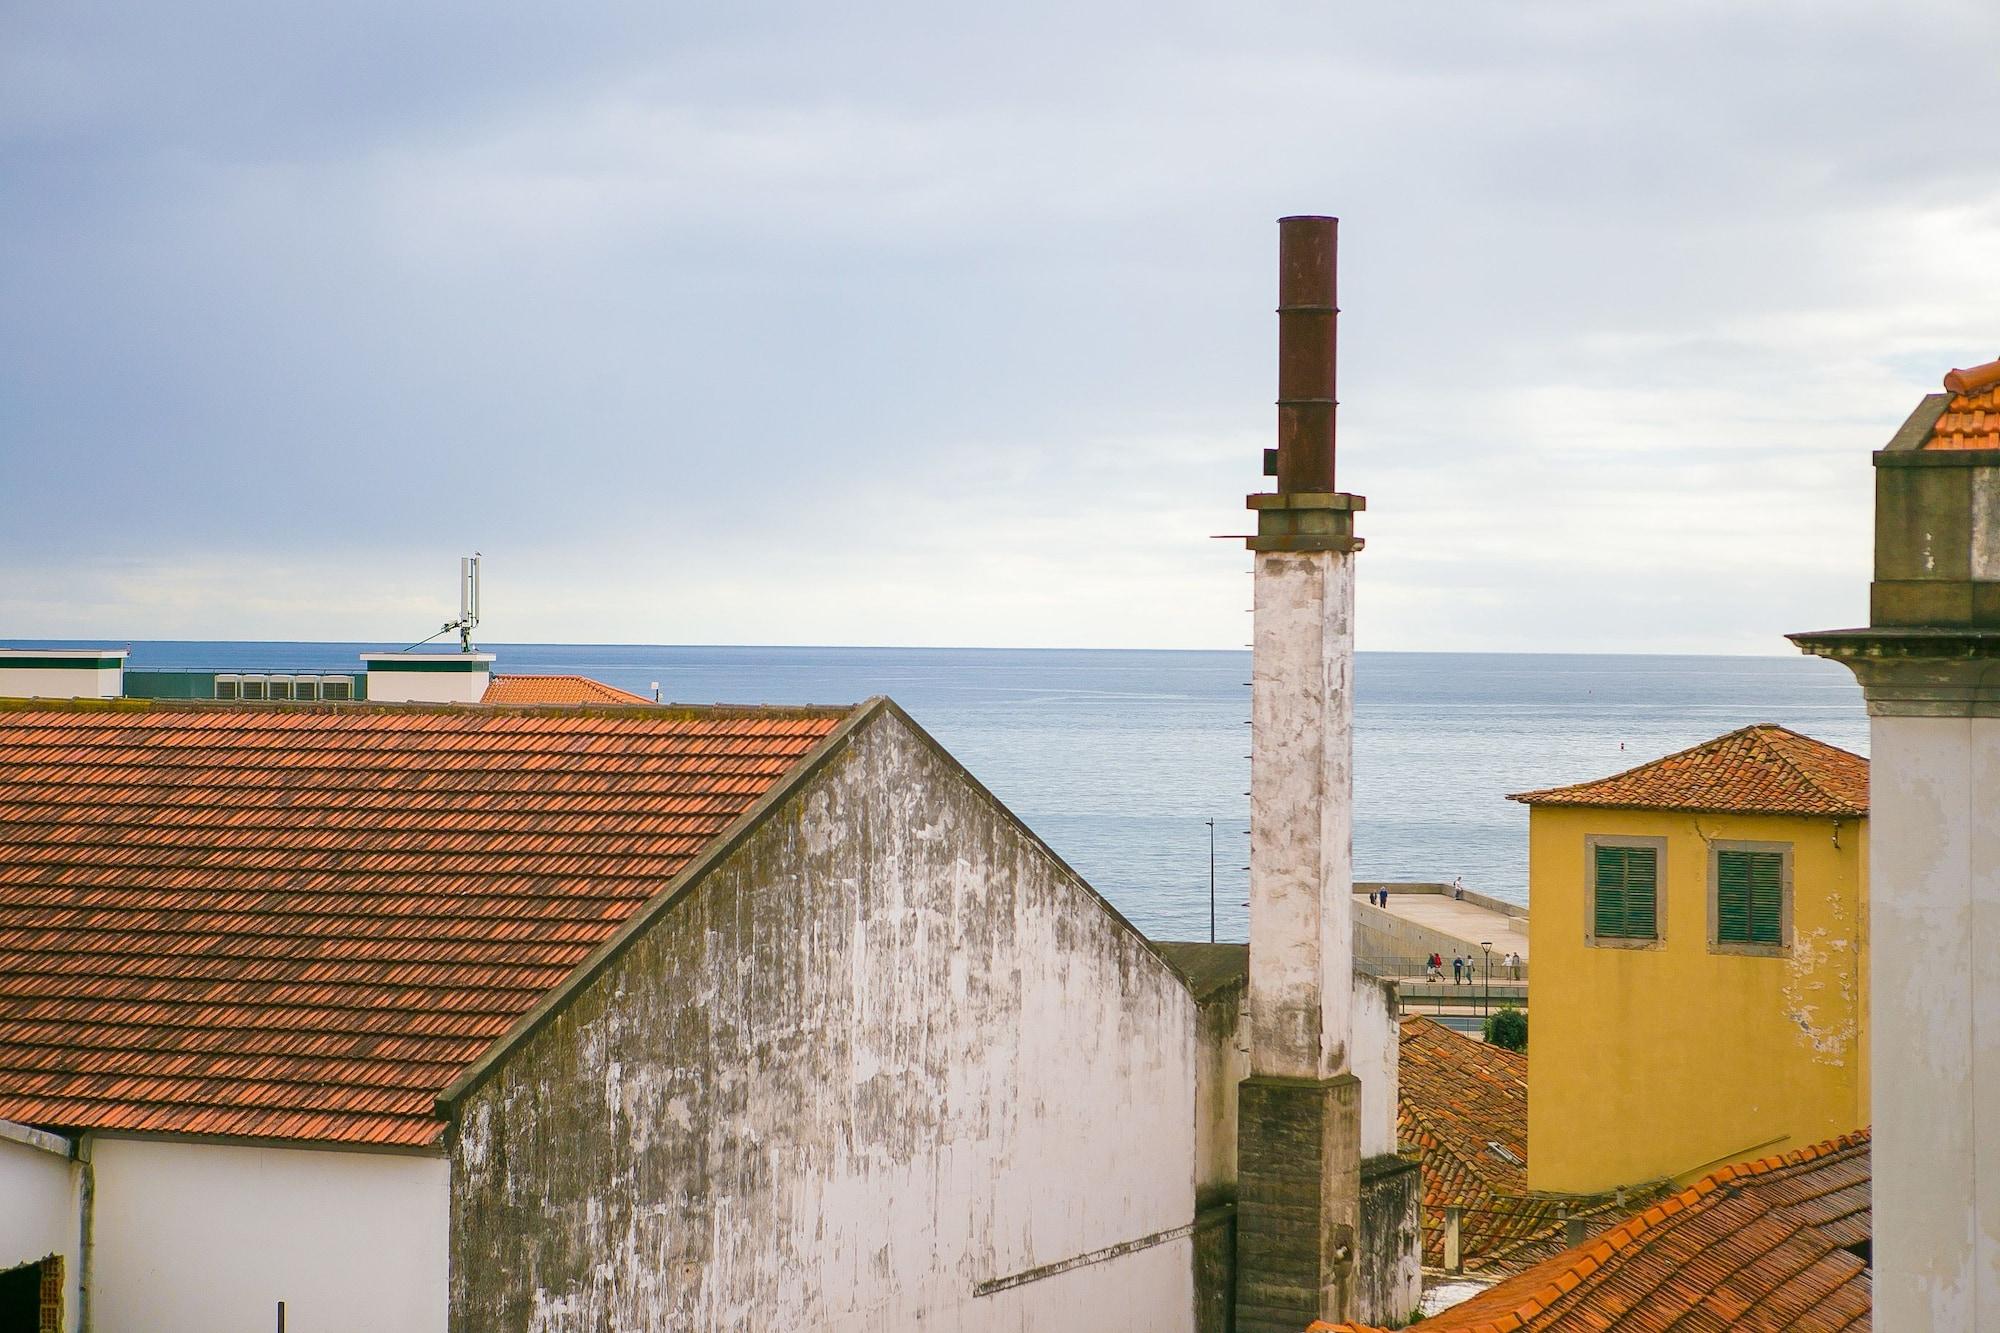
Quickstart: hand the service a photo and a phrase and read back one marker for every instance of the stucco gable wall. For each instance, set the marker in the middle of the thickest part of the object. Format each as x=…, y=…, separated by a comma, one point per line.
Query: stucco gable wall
x=884, y=1052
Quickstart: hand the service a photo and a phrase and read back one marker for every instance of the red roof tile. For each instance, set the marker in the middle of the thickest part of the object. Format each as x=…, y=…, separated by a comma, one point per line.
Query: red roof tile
x=1761, y=1246
x=1456, y=1097
x=1971, y=420
x=1763, y=769
x=556, y=690
x=1465, y=1103
x=302, y=922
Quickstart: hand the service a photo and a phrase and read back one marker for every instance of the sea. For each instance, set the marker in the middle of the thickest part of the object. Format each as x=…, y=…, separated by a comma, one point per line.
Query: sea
x=1127, y=763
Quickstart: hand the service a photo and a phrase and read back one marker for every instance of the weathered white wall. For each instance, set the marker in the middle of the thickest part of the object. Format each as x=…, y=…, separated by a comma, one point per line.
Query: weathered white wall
x=440, y=687
x=38, y=1215
x=1301, y=813
x=203, y=1238
x=1935, y=935
x=887, y=1051
x=1376, y=1053
x=1222, y=1060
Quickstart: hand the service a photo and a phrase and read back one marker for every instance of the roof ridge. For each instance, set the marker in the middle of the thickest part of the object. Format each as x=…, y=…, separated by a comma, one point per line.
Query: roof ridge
x=1590, y=1256
x=1778, y=752
x=1641, y=767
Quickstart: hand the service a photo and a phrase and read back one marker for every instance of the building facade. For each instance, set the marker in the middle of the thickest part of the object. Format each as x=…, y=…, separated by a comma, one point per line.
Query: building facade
x=1701, y=947
x=1929, y=665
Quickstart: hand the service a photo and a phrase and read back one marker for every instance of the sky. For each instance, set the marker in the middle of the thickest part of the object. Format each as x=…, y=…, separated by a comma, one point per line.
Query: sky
x=919, y=324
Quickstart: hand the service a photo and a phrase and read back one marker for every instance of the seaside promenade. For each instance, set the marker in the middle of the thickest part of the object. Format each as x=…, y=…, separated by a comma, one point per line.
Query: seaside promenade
x=1394, y=937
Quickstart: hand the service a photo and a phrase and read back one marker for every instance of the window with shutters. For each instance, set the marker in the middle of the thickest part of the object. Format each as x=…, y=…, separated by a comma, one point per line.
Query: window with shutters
x=1626, y=891
x=1750, y=897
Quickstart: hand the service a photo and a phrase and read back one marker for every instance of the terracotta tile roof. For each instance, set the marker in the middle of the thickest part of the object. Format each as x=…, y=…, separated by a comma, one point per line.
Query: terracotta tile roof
x=1456, y=1097
x=1759, y=1246
x=1971, y=419
x=1763, y=769
x=304, y=922
x=556, y=690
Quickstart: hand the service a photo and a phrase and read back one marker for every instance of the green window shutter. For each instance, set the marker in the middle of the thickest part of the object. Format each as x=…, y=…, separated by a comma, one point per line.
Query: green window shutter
x=1749, y=897
x=1732, y=897
x=1767, y=897
x=1626, y=892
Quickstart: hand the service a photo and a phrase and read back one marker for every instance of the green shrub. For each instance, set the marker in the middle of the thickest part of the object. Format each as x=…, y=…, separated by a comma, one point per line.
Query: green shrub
x=1508, y=1027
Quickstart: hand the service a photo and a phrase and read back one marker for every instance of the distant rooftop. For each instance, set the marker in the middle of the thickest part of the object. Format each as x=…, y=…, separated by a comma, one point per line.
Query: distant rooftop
x=556, y=690
x=1762, y=769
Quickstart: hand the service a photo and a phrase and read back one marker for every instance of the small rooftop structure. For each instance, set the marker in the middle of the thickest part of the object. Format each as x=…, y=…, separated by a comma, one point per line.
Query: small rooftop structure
x=1760, y=769
x=556, y=689
x=1777, y=1244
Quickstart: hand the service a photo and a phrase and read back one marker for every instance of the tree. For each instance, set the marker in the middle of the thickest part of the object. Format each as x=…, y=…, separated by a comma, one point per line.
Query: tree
x=1508, y=1027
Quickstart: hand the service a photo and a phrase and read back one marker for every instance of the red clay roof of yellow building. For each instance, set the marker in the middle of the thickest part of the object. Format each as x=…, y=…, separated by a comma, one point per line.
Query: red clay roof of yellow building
x=1767, y=1246
x=1971, y=419
x=556, y=690
x=304, y=922
x=1762, y=769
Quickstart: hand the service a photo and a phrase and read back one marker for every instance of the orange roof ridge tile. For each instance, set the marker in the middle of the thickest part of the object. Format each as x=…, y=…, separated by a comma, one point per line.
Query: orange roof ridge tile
x=1523, y=1301
x=1973, y=378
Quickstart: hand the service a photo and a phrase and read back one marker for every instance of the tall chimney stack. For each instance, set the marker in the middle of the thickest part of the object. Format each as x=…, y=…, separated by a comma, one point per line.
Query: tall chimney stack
x=1299, y=1112
x=1308, y=323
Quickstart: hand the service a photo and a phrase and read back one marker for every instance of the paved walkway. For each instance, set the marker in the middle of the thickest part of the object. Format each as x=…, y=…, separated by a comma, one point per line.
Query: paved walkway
x=1463, y=920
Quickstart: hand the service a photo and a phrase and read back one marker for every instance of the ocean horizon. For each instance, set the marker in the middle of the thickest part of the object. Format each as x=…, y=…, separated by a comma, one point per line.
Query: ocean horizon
x=1118, y=758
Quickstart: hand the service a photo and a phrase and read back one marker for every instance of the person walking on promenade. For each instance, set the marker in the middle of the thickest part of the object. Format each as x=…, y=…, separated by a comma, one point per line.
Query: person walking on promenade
x=1457, y=969
x=1434, y=967
x=1458, y=888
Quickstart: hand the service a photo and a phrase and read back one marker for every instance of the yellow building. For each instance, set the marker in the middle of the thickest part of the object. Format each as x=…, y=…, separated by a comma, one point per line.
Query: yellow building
x=1698, y=926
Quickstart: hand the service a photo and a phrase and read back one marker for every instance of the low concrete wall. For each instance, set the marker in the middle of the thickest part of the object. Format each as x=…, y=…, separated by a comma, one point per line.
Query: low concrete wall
x=1389, y=1277
x=1381, y=935
x=1477, y=899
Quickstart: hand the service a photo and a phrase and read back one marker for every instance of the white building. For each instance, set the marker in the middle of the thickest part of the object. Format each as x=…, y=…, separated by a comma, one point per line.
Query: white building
x=1929, y=663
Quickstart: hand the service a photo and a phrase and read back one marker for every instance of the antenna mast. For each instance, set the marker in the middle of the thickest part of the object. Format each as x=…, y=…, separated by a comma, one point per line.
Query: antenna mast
x=468, y=602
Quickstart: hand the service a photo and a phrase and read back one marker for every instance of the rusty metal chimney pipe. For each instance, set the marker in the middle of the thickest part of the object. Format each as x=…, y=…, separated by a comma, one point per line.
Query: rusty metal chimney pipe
x=1308, y=319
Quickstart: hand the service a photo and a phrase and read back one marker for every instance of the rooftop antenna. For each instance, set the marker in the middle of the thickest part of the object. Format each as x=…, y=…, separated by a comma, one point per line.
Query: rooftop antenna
x=468, y=605
x=468, y=601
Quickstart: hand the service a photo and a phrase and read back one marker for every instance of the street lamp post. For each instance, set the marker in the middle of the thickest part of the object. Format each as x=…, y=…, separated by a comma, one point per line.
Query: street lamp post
x=1211, y=881
x=1486, y=1005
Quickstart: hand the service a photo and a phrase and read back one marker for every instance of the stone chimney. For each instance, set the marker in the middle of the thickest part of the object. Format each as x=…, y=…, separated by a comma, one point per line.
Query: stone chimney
x=1299, y=1112
x=1929, y=664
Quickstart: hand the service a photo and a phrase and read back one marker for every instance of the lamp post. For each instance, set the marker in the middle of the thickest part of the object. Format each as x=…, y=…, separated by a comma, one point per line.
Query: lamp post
x=1486, y=1005
x=1211, y=881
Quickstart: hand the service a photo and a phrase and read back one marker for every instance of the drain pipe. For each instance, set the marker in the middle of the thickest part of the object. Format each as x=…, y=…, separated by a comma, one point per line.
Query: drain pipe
x=86, y=1209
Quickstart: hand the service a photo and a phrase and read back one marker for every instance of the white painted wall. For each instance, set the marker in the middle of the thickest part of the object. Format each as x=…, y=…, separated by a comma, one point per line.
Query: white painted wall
x=1376, y=1052
x=887, y=1052
x=1301, y=813
x=1934, y=864
x=38, y=1211
x=208, y=1238
x=437, y=687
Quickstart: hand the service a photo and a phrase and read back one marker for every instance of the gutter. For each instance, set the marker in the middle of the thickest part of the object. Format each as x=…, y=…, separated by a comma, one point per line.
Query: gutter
x=29, y=1136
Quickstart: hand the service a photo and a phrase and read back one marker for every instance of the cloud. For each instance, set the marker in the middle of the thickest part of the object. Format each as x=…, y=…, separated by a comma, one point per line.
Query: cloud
x=786, y=324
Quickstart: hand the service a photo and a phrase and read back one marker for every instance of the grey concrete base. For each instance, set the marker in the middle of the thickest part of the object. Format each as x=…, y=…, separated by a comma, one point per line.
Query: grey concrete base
x=1298, y=1201
x=1389, y=1262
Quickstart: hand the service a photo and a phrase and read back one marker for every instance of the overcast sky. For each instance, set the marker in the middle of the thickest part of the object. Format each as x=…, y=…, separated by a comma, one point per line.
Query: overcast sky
x=952, y=324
